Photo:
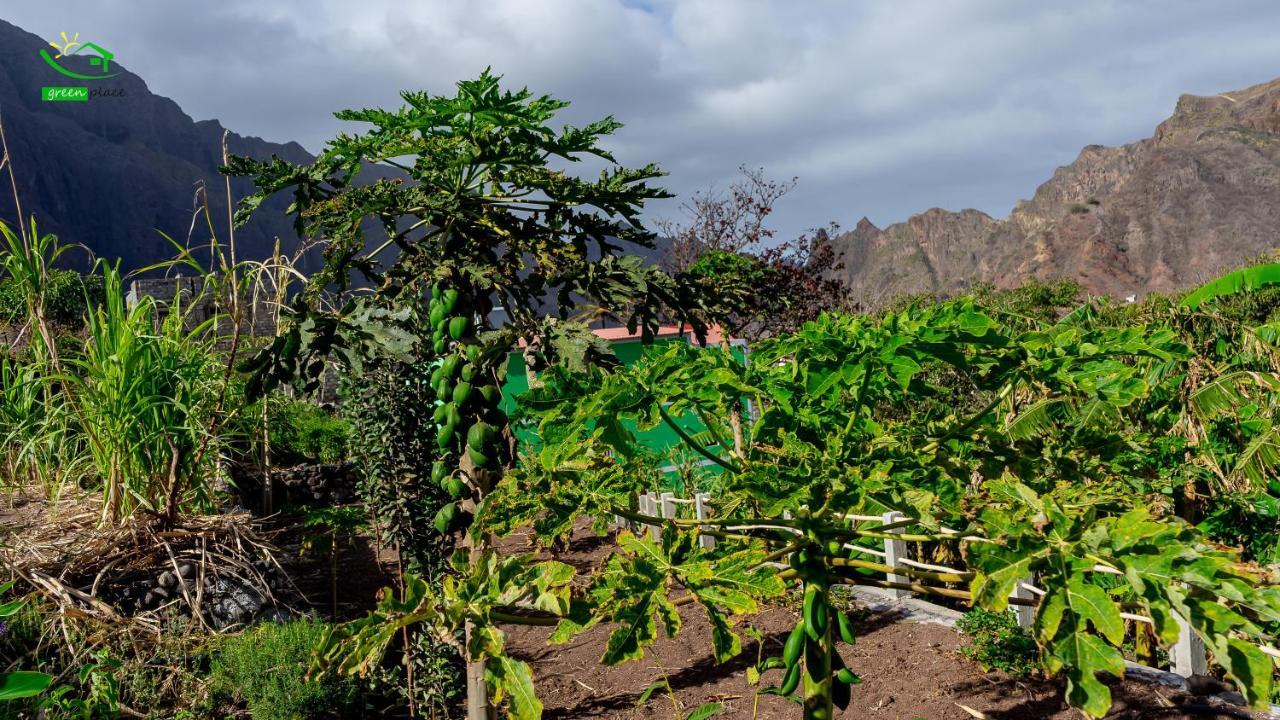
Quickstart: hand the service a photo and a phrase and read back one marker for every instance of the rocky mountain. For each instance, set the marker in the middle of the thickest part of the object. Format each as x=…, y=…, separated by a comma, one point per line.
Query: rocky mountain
x=1201, y=196
x=113, y=172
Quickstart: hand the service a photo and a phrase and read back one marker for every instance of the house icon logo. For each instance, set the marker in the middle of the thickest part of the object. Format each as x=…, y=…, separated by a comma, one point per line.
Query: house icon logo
x=99, y=59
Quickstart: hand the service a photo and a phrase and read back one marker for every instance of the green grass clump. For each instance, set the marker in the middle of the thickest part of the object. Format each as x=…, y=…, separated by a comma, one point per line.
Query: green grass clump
x=997, y=643
x=265, y=670
x=67, y=297
x=302, y=432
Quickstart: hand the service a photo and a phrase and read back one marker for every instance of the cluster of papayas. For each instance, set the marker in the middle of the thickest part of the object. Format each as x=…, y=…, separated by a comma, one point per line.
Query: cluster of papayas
x=811, y=639
x=467, y=415
x=451, y=315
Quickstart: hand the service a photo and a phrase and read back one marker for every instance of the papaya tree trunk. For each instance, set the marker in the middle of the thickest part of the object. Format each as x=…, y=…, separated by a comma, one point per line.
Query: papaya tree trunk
x=818, y=703
x=735, y=411
x=478, y=707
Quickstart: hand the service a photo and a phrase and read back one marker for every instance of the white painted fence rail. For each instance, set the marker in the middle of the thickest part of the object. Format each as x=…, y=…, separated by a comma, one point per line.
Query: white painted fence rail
x=1188, y=656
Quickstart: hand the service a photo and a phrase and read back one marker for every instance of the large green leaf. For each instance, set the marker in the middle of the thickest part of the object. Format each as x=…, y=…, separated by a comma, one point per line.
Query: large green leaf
x=1084, y=656
x=512, y=678
x=23, y=684
x=1250, y=278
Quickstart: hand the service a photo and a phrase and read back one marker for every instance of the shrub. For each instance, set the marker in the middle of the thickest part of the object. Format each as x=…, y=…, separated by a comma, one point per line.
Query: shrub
x=996, y=642
x=265, y=669
x=64, y=297
x=1250, y=521
x=302, y=432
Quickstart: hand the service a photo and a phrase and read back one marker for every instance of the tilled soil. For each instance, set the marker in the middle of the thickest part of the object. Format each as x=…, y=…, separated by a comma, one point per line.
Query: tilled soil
x=909, y=671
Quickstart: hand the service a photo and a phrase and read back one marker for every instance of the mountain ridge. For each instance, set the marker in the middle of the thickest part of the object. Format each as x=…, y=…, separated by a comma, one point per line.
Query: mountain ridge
x=1200, y=196
x=114, y=172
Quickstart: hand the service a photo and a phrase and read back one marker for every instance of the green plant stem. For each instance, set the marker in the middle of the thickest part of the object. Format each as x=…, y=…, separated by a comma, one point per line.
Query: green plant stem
x=771, y=524
x=540, y=620
x=974, y=419
x=684, y=436
x=903, y=570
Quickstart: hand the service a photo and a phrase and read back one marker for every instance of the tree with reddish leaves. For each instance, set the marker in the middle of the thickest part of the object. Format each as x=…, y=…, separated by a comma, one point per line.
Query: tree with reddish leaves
x=753, y=287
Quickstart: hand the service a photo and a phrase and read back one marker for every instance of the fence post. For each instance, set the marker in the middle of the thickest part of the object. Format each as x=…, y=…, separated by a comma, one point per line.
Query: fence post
x=642, y=507
x=648, y=506
x=700, y=502
x=668, y=506
x=895, y=550
x=1189, y=656
x=621, y=522
x=1026, y=613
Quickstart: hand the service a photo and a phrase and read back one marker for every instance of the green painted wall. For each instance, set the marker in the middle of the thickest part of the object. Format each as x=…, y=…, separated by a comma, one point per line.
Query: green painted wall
x=661, y=439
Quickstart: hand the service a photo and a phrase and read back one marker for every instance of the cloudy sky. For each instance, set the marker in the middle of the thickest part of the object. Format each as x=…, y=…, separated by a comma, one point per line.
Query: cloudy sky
x=880, y=107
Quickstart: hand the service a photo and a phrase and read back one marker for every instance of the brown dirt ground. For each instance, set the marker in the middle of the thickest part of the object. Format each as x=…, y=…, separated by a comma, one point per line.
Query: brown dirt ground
x=909, y=671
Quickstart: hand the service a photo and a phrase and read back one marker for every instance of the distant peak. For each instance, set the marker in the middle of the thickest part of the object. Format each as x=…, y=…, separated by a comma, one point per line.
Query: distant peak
x=865, y=225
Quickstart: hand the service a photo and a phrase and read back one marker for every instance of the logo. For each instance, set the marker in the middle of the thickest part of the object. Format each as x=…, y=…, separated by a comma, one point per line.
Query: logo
x=99, y=59
x=64, y=94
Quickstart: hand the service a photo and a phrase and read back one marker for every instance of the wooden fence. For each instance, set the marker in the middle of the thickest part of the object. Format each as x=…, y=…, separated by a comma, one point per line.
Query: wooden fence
x=902, y=572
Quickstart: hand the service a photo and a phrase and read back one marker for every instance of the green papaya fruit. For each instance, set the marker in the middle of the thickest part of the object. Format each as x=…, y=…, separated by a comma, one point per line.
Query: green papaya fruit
x=473, y=352
x=449, y=366
x=468, y=372
x=437, y=314
x=479, y=458
x=481, y=435
x=458, y=326
x=435, y=291
x=847, y=677
x=452, y=416
x=490, y=394
x=449, y=299
x=440, y=414
x=454, y=486
x=444, y=517
x=790, y=681
x=462, y=393
x=795, y=643
x=445, y=438
x=436, y=375
x=440, y=346
x=439, y=471
x=811, y=604
x=845, y=626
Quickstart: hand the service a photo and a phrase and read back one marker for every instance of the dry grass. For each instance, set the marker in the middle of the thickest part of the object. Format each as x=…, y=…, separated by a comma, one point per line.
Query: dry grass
x=61, y=553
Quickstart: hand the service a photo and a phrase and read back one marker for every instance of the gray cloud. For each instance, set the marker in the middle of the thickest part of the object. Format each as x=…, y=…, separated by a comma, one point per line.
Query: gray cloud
x=881, y=107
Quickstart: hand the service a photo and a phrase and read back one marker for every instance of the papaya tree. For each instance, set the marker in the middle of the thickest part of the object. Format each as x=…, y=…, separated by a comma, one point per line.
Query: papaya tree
x=473, y=215
x=1002, y=444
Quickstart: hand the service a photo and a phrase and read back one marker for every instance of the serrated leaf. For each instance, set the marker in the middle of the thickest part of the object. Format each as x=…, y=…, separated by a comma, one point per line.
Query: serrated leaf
x=1084, y=656
x=1091, y=603
x=725, y=643
x=516, y=682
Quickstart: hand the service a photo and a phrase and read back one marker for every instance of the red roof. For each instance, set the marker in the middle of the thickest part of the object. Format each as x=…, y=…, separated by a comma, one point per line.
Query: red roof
x=615, y=334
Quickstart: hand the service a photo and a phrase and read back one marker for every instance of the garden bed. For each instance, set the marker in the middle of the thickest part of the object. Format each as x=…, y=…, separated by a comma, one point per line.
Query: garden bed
x=909, y=670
